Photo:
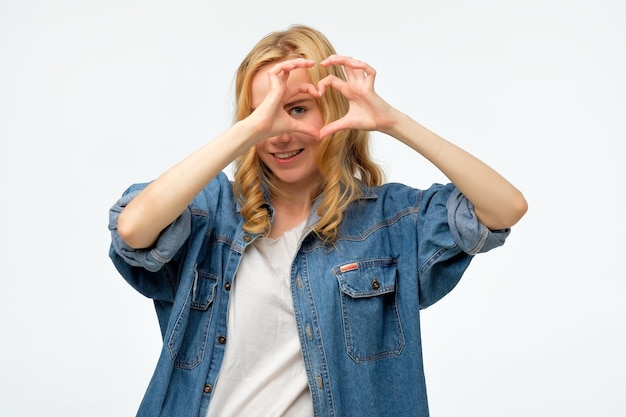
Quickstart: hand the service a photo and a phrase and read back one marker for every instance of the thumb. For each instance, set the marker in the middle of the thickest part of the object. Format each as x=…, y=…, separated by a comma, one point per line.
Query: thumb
x=333, y=127
x=307, y=129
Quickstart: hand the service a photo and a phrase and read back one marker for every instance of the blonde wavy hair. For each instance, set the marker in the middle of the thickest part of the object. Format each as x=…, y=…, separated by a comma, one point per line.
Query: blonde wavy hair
x=343, y=158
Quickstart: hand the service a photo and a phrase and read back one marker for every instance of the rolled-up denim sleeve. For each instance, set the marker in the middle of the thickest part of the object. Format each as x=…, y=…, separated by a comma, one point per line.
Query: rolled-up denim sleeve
x=171, y=239
x=471, y=235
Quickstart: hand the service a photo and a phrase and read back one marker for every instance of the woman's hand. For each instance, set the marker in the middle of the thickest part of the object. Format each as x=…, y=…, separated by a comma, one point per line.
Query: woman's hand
x=270, y=116
x=367, y=111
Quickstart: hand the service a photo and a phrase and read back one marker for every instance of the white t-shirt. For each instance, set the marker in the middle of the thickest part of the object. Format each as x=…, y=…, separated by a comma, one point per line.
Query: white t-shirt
x=263, y=371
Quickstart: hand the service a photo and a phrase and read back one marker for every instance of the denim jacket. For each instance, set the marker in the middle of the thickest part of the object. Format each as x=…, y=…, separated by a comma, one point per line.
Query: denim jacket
x=357, y=300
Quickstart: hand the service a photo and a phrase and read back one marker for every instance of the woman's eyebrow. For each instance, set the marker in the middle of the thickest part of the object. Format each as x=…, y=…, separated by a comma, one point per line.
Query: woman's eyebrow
x=293, y=103
x=298, y=102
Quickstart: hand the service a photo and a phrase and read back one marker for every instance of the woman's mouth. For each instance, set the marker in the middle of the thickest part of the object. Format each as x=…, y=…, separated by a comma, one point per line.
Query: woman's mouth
x=286, y=155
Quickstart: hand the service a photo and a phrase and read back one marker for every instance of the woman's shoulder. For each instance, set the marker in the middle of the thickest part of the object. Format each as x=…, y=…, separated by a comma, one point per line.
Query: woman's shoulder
x=393, y=197
x=397, y=188
x=218, y=191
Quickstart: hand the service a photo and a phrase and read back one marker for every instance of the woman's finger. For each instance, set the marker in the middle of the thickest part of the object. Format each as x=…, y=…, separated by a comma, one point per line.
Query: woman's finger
x=330, y=81
x=290, y=65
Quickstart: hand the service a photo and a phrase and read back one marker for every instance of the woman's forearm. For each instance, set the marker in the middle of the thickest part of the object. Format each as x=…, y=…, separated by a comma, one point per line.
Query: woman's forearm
x=497, y=203
x=164, y=199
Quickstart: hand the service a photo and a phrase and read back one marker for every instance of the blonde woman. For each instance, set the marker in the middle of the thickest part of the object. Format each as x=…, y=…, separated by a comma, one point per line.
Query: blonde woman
x=296, y=289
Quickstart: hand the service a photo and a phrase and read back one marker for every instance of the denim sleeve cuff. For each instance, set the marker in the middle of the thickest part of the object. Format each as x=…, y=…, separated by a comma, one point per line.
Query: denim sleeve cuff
x=167, y=245
x=471, y=235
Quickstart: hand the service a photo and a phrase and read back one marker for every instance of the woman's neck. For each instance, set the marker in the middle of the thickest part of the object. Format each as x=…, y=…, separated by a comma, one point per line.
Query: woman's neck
x=288, y=213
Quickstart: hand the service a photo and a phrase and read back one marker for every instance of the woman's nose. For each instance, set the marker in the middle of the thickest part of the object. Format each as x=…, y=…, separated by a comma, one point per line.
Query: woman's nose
x=281, y=139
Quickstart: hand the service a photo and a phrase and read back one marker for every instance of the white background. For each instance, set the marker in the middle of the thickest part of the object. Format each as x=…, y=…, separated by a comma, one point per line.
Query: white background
x=96, y=95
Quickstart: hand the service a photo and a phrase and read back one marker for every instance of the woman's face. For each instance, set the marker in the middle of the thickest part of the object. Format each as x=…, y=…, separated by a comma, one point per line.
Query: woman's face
x=291, y=156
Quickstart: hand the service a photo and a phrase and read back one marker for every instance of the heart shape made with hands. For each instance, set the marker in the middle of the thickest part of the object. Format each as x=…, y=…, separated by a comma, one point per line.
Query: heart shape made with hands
x=356, y=86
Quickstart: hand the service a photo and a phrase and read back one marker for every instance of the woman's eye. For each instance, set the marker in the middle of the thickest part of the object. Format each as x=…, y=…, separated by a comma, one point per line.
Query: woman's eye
x=297, y=111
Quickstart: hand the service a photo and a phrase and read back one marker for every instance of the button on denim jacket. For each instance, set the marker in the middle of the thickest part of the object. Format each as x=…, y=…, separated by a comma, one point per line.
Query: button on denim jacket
x=357, y=300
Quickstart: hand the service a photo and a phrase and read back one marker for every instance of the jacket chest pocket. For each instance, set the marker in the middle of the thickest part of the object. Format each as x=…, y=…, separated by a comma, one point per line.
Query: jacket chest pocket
x=188, y=340
x=371, y=322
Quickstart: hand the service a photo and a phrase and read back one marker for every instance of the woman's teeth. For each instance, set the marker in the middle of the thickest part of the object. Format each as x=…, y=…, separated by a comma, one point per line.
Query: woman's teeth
x=286, y=155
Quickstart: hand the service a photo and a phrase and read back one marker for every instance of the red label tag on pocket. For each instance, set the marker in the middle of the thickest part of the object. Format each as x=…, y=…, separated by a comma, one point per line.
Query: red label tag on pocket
x=349, y=267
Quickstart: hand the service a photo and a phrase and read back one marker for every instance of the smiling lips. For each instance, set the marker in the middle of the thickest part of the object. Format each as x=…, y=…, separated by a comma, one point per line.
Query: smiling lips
x=287, y=155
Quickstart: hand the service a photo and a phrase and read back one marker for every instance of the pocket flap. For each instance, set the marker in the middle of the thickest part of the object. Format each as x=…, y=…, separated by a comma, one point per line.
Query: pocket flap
x=367, y=278
x=203, y=290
